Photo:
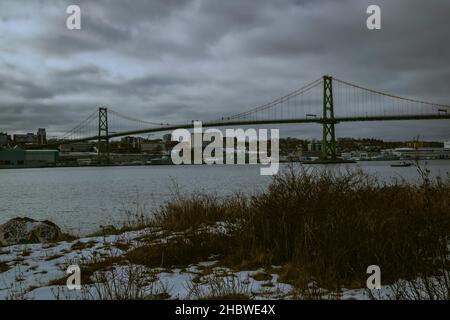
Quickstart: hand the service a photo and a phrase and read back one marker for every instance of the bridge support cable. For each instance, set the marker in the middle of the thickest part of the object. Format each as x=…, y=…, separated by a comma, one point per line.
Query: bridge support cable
x=373, y=103
x=82, y=129
x=267, y=111
x=140, y=121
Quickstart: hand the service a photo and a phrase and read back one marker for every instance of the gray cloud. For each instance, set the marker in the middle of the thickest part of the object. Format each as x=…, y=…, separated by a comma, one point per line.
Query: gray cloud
x=174, y=61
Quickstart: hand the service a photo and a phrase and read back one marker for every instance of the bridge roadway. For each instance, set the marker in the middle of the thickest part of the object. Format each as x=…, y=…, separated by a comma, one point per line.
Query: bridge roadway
x=228, y=123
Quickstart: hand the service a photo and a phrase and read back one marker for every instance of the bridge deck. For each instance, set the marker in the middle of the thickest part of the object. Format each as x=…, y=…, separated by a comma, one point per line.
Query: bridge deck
x=256, y=122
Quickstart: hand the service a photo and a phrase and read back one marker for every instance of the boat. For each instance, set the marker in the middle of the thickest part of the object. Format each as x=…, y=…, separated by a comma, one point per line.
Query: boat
x=401, y=164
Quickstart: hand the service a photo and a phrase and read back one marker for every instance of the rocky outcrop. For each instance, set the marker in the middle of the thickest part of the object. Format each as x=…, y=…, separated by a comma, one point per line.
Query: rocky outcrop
x=26, y=230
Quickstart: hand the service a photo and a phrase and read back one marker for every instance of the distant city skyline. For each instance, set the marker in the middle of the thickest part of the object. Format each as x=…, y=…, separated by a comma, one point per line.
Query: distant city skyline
x=172, y=61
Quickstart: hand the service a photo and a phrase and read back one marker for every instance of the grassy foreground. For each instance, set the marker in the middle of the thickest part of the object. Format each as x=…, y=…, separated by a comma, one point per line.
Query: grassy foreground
x=320, y=226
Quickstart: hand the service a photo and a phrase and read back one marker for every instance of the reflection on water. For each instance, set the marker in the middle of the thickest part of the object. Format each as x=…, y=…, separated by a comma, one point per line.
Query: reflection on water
x=82, y=199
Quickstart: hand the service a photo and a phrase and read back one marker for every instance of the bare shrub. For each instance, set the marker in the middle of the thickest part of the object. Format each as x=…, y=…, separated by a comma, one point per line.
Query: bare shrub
x=219, y=285
x=331, y=224
x=128, y=282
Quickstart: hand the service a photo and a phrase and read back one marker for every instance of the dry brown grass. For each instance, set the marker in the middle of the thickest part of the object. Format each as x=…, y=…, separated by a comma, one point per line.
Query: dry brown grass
x=4, y=267
x=129, y=282
x=183, y=213
x=334, y=226
x=79, y=245
x=219, y=286
x=330, y=226
x=180, y=251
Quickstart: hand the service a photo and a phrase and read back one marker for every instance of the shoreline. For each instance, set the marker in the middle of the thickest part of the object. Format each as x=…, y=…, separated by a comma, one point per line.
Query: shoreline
x=305, y=162
x=284, y=243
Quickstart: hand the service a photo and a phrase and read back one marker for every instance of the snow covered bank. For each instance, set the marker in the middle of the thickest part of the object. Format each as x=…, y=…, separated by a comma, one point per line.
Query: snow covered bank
x=38, y=271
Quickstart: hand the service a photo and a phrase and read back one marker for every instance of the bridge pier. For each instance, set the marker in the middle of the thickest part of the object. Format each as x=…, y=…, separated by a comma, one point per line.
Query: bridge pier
x=328, y=121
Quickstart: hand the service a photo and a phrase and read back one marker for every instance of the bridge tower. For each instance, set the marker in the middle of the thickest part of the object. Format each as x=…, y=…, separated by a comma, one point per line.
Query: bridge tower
x=328, y=138
x=103, y=136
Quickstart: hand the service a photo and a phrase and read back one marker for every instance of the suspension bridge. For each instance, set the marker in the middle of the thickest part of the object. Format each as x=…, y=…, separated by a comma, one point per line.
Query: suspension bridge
x=326, y=101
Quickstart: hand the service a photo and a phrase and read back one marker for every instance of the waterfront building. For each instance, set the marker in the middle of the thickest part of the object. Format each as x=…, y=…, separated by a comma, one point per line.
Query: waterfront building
x=422, y=153
x=18, y=158
x=355, y=155
x=76, y=147
x=12, y=157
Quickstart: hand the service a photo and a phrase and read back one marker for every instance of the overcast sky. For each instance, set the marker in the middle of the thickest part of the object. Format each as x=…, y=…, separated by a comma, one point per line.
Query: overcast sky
x=171, y=61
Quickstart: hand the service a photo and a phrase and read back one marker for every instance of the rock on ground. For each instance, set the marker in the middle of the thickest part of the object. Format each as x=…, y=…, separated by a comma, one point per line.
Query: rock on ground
x=26, y=230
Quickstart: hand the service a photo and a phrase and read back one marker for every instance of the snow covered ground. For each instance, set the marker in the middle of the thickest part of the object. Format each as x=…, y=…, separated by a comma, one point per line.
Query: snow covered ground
x=38, y=271
x=31, y=268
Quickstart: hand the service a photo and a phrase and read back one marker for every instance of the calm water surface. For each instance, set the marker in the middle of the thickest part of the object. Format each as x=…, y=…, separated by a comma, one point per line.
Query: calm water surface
x=82, y=199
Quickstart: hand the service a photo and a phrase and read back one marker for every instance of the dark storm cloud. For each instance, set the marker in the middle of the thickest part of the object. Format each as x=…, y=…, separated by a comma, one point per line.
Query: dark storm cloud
x=31, y=115
x=24, y=88
x=174, y=61
x=102, y=34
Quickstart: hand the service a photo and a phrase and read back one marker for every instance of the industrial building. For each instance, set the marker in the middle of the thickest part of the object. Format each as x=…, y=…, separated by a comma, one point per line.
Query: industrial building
x=423, y=153
x=77, y=147
x=19, y=158
x=30, y=138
